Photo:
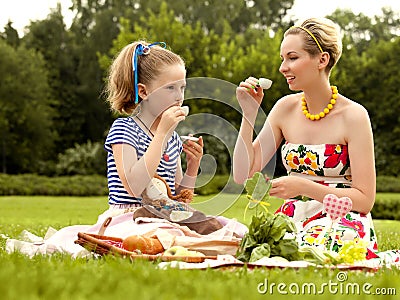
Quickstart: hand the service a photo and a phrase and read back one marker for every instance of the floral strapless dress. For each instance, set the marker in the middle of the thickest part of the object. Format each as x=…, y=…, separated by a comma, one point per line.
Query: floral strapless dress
x=326, y=164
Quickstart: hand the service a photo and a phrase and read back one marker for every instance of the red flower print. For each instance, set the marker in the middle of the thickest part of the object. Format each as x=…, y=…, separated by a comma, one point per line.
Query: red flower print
x=375, y=247
x=357, y=225
x=322, y=182
x=317, y=216
x=371, y=254
x=296, y=160
x=335, y=154
x=287, y=208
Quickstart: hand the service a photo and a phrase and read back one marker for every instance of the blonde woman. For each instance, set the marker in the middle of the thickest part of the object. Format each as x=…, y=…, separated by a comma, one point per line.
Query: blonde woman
x=327, y=139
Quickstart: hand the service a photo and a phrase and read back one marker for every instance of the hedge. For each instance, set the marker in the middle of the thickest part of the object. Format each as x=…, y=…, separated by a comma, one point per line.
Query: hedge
x=387, y=207
x=30, y=184
x=93, y=185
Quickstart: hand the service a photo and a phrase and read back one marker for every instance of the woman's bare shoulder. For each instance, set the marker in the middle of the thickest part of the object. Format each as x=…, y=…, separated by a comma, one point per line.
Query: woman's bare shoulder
x=353, y=111
x=287, y=102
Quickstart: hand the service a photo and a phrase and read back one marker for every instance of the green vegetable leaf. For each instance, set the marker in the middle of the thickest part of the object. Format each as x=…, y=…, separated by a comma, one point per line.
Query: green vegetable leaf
x=279, y=228
x=266, y=233
x=286, y=248
x=265, y=238
x=258, y=188
x=264, y=250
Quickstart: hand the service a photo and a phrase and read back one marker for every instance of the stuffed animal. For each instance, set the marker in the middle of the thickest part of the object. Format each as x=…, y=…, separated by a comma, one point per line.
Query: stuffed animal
x=158, y=194
x=159, y=202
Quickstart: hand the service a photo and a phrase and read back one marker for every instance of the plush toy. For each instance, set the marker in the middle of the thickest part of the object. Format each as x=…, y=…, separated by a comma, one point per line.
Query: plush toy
x=158, y=202
x=158, y=194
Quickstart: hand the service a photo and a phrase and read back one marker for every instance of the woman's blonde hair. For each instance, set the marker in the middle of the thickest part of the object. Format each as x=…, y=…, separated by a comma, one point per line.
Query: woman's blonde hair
x=120, y=87
x=320, y=35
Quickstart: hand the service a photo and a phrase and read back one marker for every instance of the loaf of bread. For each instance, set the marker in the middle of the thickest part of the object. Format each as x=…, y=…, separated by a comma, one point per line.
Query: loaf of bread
x=146, y=245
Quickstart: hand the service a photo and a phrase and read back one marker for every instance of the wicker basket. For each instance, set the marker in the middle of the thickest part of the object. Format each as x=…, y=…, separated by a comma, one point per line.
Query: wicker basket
x=102, y=245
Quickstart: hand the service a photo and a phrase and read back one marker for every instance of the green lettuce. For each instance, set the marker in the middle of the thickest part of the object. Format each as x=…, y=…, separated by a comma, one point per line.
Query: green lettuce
x=257, y=189
x=267, y=232
x=266, y=238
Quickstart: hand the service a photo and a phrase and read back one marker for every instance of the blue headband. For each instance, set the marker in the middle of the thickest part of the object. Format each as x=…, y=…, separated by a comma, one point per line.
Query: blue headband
x=141, y=50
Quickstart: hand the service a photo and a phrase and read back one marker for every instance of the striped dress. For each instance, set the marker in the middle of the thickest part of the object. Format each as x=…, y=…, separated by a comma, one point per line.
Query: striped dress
x=127, y=131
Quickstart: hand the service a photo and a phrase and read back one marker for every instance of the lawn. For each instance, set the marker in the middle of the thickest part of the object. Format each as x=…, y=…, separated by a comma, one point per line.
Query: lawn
x=60, y=277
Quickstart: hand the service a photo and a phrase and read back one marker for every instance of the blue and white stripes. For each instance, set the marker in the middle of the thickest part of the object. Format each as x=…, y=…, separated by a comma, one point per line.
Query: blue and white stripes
x=127, y=131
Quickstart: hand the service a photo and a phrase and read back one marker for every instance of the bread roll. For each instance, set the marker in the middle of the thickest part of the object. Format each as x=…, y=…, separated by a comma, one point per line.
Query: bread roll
x=145, y=245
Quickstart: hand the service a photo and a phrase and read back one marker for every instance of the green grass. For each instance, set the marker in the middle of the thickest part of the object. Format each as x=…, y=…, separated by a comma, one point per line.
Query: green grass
x=60, y=277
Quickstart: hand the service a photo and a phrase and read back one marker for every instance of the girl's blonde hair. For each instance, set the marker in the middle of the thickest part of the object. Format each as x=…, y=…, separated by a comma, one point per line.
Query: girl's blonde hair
x=120, y=87
x=327, y=35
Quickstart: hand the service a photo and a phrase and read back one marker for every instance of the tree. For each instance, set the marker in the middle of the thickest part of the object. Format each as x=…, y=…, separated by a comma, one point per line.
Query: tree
x=25, y=114
x=361, y=31
x=75, y=76
x=50, y=38
x=380, y=85
x=368, y=74
x=10, y=35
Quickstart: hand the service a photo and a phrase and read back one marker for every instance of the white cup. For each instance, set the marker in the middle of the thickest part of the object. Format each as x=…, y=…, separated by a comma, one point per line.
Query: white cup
x=265, y=83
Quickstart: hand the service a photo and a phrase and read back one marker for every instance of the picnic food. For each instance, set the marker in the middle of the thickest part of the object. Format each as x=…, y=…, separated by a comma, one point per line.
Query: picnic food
x=145, y=245
x=181, y=251
x=269, y=234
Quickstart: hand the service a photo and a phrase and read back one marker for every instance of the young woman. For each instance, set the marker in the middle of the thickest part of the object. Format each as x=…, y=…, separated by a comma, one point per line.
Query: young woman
x=327, y=139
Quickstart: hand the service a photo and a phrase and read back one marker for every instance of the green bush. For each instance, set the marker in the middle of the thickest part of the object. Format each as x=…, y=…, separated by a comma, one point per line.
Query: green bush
x=384, y=184
x=387, y=206
x=84, y=159
x=30, y=184
x=388, y=184
x=217, y=184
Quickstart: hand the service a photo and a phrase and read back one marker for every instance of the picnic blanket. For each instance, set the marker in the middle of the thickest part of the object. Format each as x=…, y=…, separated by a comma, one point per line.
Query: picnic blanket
x=123, y=225
x=222, y=243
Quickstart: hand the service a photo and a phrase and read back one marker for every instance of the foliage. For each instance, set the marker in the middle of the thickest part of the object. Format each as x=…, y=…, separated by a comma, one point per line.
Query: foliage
x=383, y=110
x=30, y=184
x=10, y=35
x=25, y=113
x=387, y=184
x=387, y=206
x=213, y=186
x=209, y=185
x=50, y=38
x=209, y=14
x=69, y=75
x=86, y=159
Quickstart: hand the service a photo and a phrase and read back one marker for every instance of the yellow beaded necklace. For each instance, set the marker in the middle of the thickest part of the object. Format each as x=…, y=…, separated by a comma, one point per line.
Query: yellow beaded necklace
x=326, y=109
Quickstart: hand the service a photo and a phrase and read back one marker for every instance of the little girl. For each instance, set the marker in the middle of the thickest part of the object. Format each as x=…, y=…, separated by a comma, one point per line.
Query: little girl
x=147, y=82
